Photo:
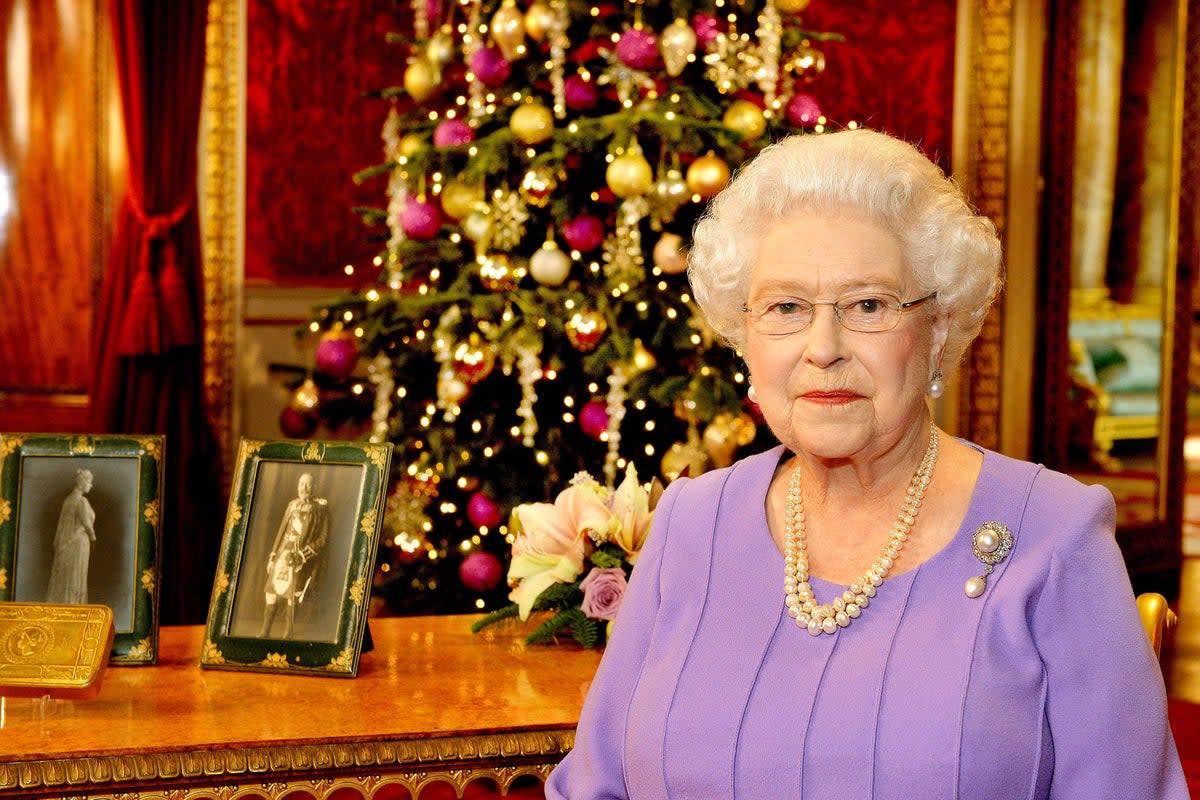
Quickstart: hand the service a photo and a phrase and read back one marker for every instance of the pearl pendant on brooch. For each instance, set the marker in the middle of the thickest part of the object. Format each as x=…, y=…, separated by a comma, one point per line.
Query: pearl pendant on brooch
x=991, y=544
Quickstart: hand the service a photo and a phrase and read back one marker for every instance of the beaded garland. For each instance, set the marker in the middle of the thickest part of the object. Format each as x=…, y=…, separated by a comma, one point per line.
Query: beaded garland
x=802, y=605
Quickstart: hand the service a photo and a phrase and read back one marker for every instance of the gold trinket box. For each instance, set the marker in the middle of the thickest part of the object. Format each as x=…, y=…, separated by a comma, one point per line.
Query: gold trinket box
x=55, y=650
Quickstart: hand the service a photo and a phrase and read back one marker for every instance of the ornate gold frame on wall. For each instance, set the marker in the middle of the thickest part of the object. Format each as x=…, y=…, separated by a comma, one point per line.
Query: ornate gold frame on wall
x=985, y=406
x=222, y=221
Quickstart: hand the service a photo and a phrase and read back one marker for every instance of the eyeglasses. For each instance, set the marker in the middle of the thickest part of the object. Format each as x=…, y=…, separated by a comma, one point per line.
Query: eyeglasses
x=866, y=312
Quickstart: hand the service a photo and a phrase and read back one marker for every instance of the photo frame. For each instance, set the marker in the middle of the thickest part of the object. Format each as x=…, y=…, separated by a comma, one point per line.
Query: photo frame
x=80, y=524
x=293, y=583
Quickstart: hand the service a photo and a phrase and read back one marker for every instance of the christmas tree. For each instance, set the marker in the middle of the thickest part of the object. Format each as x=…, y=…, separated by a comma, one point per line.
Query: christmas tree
x=531, y=317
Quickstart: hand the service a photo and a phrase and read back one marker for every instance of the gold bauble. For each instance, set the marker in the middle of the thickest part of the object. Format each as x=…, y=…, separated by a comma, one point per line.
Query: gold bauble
x=719, y=444
x=410, y=145
x=496, y=272
x=642, y=359
x=668, y=254
x=306, y=396
x=421, y=78
x=539, y=21
x=677, y=42
x=473, y=359
x=683, y=458
x=629, y=174
x=532, y=123
x=585, y=329
x=508, y=30
x=791, y=6
x=707, y=175
x=538, y=185
x=745, y=118
x=459, y=199
x=805, y=62
x=440, y=48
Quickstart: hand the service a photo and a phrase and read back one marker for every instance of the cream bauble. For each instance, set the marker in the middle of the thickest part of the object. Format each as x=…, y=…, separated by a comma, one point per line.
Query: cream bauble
x=677, y=42
x=550, y=266
x=477, y=225
x=532, y=123
x=668, y=254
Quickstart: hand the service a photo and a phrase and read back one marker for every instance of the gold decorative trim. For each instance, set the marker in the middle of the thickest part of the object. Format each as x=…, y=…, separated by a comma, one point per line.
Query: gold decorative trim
x=378, y=456
x=148, y=580
x=988, y=99
x=221, y=210
x=221, y=584
x=150, y=512
x=210, y=654
x=82, y=446
x=5, y=511
x=277, y=771
x=357, y=590
x=3, y=575
x=151, y=447
x=367, y=524
x=314, y=452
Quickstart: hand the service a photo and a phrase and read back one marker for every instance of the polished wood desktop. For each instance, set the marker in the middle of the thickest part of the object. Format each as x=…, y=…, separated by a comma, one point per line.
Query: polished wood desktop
x=431, y=703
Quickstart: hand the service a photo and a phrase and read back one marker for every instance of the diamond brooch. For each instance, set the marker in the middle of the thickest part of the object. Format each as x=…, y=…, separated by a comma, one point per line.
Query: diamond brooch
x=991, y=543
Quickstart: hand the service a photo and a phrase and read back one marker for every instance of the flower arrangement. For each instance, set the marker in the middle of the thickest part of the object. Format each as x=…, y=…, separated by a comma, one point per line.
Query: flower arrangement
x=572, y=558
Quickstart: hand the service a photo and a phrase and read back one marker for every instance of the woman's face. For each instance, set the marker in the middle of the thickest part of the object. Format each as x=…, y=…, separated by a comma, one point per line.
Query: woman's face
x=84, y=481
x=825, y=390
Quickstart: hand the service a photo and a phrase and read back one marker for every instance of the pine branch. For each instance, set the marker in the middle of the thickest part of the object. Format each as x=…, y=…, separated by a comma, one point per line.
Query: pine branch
x=502, y=613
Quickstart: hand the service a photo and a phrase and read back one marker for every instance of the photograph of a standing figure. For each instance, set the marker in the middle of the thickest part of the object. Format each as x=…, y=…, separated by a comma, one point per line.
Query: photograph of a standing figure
x=73, y=541
x=295, y=557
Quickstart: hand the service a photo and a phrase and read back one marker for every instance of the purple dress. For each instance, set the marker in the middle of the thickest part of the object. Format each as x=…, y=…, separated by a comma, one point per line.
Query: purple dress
x=1043, y=687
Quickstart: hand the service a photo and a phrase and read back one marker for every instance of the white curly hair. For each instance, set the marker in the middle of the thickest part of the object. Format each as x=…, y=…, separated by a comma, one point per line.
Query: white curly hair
x=948, y=247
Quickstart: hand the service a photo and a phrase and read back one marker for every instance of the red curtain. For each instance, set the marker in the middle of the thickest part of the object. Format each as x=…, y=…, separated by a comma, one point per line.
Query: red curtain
x=148, y=366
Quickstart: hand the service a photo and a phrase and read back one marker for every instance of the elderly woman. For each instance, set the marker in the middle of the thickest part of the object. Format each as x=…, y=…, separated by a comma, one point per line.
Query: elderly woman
x=873, y=609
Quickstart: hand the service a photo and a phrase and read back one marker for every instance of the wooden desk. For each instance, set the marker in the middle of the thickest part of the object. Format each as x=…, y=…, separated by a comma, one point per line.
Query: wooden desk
x=432, y=702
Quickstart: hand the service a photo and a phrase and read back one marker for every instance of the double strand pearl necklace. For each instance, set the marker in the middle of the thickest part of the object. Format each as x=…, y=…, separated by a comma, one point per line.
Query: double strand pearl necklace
x=802, y=606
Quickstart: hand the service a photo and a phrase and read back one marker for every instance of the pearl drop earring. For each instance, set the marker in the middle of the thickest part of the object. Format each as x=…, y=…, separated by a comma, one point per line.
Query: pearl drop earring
x=936, y=386
x=752, y=395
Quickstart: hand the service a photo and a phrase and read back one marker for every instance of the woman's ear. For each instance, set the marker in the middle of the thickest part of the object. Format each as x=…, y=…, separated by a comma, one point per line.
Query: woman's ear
x=937, y=342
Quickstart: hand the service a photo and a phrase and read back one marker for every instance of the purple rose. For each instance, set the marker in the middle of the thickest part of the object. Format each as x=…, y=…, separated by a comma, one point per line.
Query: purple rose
x=602, y=592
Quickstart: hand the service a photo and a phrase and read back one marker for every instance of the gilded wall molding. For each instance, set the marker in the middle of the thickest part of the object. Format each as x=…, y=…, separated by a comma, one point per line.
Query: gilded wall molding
x=457, y=760
x=221, y=218
x=986, y=102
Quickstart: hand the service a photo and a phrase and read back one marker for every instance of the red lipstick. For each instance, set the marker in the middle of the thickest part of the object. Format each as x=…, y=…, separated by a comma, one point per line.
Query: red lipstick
x=833, y=397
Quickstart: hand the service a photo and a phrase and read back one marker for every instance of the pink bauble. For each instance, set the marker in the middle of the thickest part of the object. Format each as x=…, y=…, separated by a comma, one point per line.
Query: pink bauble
x=638, y=48
x=480, y=571
x=483, y=511
x=452, y=133
x=489, y=67
x=420, y=220
x=583, y=233
x=297, y=424
x=706, y=27
x=803, y=111
x=336, y=356
x=580, y=94
x=593, y=418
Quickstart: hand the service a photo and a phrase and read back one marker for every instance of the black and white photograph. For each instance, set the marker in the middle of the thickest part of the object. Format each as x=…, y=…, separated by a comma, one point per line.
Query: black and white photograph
x=297, y=550
x=293, y=582
x=80, y=525
x=77, y=533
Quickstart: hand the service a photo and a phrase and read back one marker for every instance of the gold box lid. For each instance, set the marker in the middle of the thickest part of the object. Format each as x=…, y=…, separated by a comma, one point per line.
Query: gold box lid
x=55, y=650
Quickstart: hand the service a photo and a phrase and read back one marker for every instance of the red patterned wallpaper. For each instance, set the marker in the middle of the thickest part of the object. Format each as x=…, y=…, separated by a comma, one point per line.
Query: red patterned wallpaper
x=309, y=128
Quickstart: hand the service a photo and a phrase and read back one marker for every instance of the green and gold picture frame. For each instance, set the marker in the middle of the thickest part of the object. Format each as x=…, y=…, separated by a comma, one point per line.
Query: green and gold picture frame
x=80, y=523
x=293, y=583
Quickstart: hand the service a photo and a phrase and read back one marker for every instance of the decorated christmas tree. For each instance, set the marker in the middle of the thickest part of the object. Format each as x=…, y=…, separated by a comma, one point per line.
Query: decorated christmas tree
x=531, y=316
